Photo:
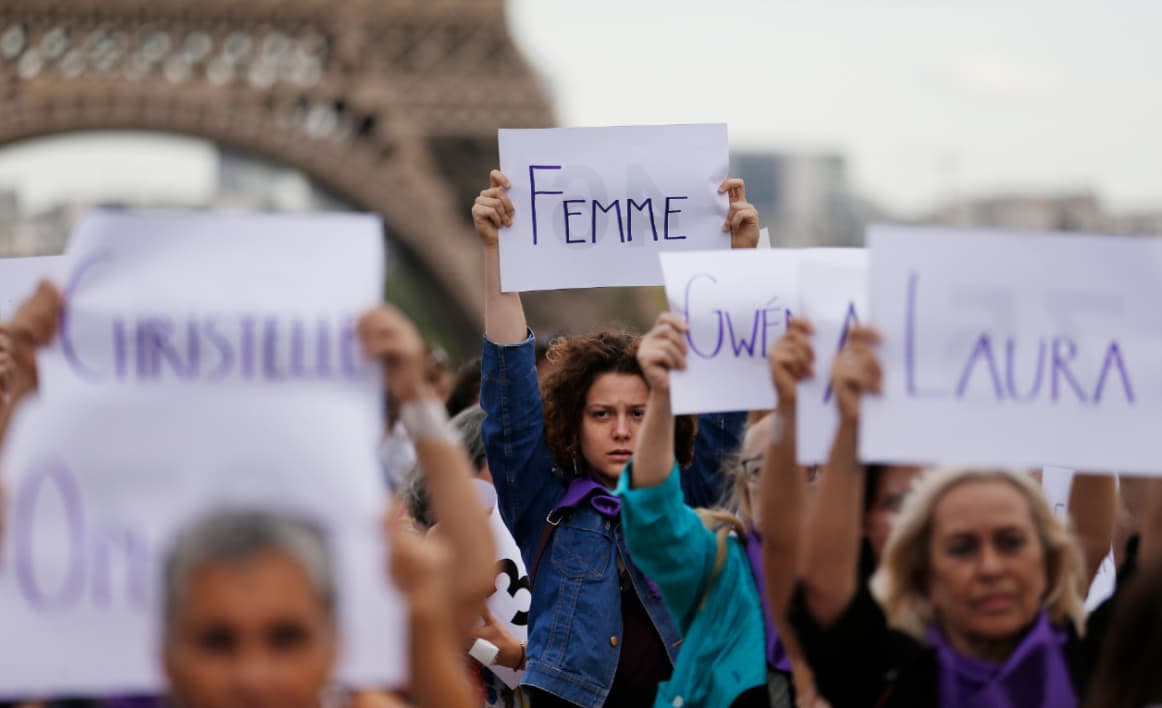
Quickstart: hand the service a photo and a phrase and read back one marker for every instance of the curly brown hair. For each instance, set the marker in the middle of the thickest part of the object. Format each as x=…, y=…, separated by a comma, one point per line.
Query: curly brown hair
x=577, y=362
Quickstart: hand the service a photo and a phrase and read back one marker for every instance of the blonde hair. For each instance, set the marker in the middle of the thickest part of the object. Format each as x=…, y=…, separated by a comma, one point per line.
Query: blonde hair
x=901, y=582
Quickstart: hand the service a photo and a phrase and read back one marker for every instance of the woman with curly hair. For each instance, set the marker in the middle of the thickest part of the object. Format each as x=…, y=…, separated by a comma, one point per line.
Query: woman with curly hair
x=599, y=631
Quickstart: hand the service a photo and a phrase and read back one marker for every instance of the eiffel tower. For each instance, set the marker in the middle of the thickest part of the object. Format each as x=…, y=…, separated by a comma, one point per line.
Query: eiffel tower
x=391, y=104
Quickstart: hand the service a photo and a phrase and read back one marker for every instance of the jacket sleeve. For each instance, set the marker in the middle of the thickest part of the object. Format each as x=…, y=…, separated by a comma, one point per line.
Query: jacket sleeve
x=668, y=542
x=719, y=436
x=513, y=432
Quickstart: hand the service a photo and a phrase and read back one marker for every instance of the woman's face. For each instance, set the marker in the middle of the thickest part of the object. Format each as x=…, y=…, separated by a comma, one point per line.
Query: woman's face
x=894, y=484
x=987, y=564
x=614, y=408
x=250, y=634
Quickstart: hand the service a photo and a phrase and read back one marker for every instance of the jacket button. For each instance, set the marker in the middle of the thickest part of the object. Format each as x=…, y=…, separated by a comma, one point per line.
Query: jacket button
x=613, y=641
x=677, y=702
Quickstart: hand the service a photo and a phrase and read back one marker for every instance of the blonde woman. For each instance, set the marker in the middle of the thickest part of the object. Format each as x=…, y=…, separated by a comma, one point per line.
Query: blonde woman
x=978, y=597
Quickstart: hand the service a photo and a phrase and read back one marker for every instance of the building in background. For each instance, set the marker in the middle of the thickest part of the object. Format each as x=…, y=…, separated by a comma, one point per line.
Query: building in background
x=805, y=199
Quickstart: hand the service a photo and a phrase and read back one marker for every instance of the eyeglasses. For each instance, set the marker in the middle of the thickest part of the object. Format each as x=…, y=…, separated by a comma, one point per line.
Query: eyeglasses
x=752, y=467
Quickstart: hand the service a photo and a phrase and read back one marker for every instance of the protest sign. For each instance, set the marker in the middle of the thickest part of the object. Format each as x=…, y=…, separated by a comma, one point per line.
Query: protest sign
x=1015, y=349
x=737, y=304
x=833, y=296
x=510, y=603
x=202, y=361
x=595, y=206
x=1057, y=483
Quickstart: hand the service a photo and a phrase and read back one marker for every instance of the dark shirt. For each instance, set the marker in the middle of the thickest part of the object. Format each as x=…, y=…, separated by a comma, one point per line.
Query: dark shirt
x=643, y=662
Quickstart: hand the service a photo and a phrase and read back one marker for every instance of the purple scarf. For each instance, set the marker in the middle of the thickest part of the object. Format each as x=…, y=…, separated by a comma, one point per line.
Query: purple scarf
x=776, y=653
x=583, y=489
x=1034, y=676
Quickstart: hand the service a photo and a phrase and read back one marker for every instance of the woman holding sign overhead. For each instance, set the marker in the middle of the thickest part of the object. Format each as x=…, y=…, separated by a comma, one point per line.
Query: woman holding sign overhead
x=978, y=597
x=599, y=631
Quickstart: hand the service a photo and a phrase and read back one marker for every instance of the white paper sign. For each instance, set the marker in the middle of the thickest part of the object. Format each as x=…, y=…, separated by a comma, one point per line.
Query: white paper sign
x=510, y=603
x=1057, y=483
x=19, y=278
x=737, y=304
x=833, y=296
x=203, y=360
x=1015, y=349
x=595, y=206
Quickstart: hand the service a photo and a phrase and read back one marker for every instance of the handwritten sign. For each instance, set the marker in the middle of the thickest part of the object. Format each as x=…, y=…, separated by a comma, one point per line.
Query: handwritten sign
x=203, y=361
x=595, y=206
x=833, y=296
x=1015, y=349
x=19, y=277
x=510, y=603
x=737, y=304
x=1057, y=483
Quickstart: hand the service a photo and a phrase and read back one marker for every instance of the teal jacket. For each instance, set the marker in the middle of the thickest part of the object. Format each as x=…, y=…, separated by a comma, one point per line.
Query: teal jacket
x=723, y=651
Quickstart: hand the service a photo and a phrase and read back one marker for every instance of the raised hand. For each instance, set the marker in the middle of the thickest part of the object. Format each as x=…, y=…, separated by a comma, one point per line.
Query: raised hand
x=663, y=349
x=389, y=336
x=856, y=371
x=493, y=209
x=33, y=326
x=742, y=221
x=792, y=359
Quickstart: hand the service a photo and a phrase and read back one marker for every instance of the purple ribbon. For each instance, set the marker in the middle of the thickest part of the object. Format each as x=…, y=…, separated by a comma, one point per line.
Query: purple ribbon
x=1034, y=676
x=777, y=656
x=583, y=490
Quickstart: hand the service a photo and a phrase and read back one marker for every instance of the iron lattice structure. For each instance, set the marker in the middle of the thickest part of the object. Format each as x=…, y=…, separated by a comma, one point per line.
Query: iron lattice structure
x=393, y=105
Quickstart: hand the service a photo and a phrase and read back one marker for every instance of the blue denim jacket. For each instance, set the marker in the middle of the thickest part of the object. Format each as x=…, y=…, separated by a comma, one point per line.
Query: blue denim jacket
x=575, y=616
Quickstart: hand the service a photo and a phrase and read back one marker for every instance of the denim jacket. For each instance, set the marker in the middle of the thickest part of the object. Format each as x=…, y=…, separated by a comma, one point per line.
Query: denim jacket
x=575, y=618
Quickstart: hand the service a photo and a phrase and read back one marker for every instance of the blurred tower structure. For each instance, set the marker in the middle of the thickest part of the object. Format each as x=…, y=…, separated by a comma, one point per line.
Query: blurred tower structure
x=392, y=105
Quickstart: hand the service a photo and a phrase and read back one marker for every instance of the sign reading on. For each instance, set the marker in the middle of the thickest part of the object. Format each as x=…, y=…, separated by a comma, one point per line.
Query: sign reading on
x=737, y=304
x=203, y=361
x=1015, y=349
x=595, y=206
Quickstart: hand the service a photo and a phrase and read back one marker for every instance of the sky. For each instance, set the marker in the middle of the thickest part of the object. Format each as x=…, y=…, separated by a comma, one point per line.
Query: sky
x=929, y=100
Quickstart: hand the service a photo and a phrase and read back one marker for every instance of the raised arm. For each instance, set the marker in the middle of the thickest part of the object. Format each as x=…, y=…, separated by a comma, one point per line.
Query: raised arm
x=665, y=537
x=663, y=348
x=1093, y=505
x=33, y=326
x=389, y=336
x=782, y=488
x=504, y=315
x=421, y=568
x=783, y=493
x=833, y=527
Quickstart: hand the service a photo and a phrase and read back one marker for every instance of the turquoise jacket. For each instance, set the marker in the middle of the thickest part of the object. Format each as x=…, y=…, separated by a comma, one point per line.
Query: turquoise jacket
x=723, y=650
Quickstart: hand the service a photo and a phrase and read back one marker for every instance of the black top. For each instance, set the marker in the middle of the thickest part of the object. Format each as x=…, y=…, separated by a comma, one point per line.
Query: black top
x=859, y=661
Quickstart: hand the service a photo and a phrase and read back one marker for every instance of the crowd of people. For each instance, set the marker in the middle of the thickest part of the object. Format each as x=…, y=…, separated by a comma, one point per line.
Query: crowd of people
x=671, y=560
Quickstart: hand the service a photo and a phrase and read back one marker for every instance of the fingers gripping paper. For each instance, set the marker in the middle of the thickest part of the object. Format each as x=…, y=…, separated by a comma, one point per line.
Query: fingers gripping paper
x=595, y=206
x=203, y=361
